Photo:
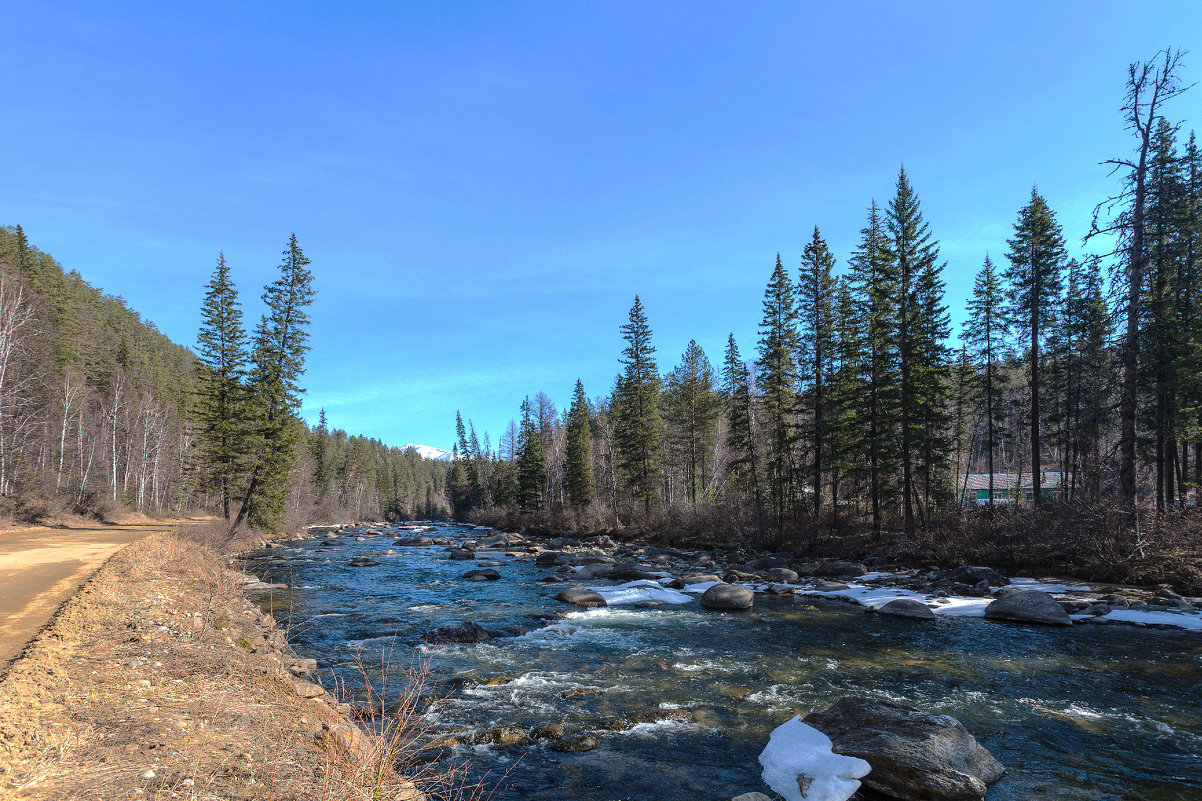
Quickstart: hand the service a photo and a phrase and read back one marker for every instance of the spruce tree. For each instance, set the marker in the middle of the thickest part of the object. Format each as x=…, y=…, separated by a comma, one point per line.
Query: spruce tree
x=875, y=282
x=778, y=380
x=637, y=431
x=1037, y=258
x=691, y=410
x=920, y=318
x=815, y=304
x=222, y=402
x=277, y=364
x=532, y=466
x=743, y=469
x=985, y=332
x=579, y=450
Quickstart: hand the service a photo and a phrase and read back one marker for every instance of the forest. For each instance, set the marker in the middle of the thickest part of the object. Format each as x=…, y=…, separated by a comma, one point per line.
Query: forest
x=102, y=415
x=1072, y=397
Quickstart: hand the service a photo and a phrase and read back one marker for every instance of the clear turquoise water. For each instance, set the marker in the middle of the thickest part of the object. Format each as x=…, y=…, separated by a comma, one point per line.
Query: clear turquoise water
x=1091, y=712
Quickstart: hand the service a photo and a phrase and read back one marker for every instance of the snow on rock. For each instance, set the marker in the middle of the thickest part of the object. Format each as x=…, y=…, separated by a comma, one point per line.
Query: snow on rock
x=800, y=766
x=633, y=592
x=1181, y=620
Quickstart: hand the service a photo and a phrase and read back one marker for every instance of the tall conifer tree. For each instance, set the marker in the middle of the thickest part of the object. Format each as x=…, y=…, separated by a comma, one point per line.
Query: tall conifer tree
x=579, y=450
x=815, y=303
x=779, y=344
x=638, y=427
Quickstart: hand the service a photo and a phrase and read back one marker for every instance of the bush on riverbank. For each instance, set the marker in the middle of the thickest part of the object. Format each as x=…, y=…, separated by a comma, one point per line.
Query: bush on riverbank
x=1088, y=542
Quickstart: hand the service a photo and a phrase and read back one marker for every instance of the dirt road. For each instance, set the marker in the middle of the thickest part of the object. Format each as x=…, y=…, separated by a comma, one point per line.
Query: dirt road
x=42, y=567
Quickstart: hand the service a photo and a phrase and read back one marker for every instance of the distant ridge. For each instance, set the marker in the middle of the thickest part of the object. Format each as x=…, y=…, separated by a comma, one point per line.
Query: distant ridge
x=428, y=452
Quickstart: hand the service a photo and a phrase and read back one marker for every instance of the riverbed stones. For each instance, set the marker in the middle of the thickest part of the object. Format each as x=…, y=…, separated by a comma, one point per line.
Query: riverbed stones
x=546, y=558
x=915, y=756
x=628, y=571
x=1028, y=606
x=581, y=597
x=462, y=554
x=838, y=568
x=464, y=632
x=504, y=736
x=487, y=574
x=728, y=597
x=573, y=745
x=363, y=561
x=907, y=608
x=332, y=542
x=975, y=575
x=547, y=731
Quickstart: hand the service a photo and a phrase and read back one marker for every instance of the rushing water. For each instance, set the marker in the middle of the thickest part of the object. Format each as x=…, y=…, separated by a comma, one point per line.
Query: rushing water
x=1089, y=712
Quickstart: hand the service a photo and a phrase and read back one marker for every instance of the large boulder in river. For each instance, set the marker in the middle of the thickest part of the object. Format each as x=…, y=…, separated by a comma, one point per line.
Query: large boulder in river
x=975, y=575
x=581, y=597
x=627, y=571
x=544, y=558
x=915, y=756
x=464, y=632
x=462, y=554
x=838, y=568
x=487, y=574
x=728, y=596
x=780, y=575
x=331, y=542
x=767, y=562
x=907, y=607
x=1028, y=606
x=414, y=541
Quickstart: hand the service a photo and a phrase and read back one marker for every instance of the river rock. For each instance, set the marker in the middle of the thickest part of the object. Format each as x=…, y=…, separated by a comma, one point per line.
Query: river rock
x=975, y=575
x=907, y=607
x=414, y=541
x=544, y=558
x=838, y=568
x=464, y=632
x=581, y=597
x=462, y=554
x=504, y=736
x=572, y=745
x=751, y=797
x=307, y=689
x=728, y=596
x=1028, y=606
x=495, y=541
x=780, y=575
x=915, y=756
x=331, y=542
x=767, y=562
x=830, y=586
x=487, y=574
x=363, y=562
x=733, y=576
x=547, y=731
x=630, y=572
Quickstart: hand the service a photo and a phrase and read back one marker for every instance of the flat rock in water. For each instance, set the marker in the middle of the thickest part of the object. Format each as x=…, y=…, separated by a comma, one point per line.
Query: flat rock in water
x=363, y=562
x=1028, y=606
x=462, y=554
x=915, y=756
x=581, y=597
x=728, y=596
x=487, y=574
x=464, y=632
x=331, y=542
x=907, y=607
x=414, y=541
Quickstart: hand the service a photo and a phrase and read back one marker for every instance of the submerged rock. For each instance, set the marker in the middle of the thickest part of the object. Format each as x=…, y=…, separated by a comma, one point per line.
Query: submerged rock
x=487, y=574
x=907, y=607
x=332, y=541
x=547, y=731
x=572, y=745
x=462, y=554
x=464, y=632
x=728, y=596
x=363, y=562
x=915, y=756
x=581, y=597
x=1028, y=606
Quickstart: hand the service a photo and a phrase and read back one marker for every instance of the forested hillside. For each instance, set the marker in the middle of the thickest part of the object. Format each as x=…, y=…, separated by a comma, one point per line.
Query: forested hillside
x=1075, y=386
x=99, y=413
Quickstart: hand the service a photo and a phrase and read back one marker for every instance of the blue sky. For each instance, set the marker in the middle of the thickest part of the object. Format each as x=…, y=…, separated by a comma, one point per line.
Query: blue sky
x=483, y=187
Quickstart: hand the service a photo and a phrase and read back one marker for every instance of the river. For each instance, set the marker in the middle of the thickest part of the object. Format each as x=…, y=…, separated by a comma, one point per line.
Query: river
x=1075, y=714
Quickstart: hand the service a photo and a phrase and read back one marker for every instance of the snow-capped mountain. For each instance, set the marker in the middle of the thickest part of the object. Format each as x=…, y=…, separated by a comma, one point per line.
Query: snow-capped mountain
x=428, y=452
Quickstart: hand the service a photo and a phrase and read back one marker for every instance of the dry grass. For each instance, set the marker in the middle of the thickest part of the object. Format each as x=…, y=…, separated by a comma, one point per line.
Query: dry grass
x=160, y=664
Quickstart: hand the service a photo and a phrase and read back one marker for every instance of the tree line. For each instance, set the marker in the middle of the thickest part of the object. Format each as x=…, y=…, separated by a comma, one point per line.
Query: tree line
x=101, y=413
x=1083, y=373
